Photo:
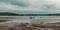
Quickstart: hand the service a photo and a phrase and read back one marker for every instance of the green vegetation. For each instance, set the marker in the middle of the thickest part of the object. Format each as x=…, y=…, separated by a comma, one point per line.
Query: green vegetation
x=15, y=14
x=4, y=20
x=7, y=14
x=55, y=14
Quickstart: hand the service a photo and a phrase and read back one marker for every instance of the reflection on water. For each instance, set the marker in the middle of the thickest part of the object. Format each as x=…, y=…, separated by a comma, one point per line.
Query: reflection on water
x=21, y=18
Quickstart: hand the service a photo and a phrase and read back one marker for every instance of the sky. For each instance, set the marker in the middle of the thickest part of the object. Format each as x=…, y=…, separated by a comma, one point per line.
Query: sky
x=30, y=6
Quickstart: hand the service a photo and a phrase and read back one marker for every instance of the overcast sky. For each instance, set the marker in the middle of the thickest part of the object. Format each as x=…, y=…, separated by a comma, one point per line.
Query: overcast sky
x=48, y=6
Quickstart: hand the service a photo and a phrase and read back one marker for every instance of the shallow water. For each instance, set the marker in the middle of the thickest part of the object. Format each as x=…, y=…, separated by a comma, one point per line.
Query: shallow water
x=26, y=18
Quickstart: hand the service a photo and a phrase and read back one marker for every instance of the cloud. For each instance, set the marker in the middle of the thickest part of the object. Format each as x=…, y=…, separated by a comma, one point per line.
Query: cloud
x=46, y=5
x=50, y=6
x=22, y=3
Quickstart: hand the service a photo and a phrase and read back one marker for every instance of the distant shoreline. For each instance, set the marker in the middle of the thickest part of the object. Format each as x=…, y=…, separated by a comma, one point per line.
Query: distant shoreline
x=12, y=16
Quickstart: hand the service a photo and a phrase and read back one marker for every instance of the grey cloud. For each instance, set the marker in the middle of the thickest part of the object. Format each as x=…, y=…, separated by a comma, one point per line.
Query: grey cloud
x=48, y=7
x=22, y=3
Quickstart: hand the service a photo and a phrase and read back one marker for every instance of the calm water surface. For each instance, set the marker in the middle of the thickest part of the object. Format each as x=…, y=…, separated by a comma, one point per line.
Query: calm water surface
x=26, y=18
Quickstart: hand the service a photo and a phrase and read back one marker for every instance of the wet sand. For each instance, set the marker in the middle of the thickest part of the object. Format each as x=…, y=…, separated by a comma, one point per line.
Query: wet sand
x=10, y=25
